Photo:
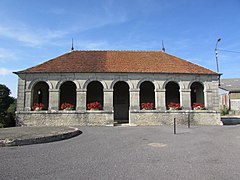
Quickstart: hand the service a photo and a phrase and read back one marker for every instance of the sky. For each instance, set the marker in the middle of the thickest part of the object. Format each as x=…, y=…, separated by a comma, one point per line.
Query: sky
x=32, y=32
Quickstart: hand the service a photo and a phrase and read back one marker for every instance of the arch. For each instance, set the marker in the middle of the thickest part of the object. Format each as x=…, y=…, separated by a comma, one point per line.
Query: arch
x=68, y=94
x=34, y=82
x=121, y=102
x=197, y=93
x=194, y=81
x=167, y=81
x=94, y=93
x=58, y=85
x=147, y=95
x=40, y=94
x=172, y=93
x=85, y=85
x=130, y=84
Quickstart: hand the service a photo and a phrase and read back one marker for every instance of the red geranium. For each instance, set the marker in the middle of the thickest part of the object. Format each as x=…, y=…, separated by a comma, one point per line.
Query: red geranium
x=37, y=106
x=175, y=106
x=66, y=106
x=198, y=106
x=95, y=105
x=147, y=106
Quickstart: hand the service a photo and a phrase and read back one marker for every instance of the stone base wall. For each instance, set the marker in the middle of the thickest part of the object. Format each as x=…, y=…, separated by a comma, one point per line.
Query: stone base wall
x=103, y=118
x=182, y=117
x=64, y=118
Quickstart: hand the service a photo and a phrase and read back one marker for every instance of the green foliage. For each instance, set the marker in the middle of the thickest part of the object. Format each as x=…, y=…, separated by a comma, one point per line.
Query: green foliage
x=7, y=107
x=224, y=110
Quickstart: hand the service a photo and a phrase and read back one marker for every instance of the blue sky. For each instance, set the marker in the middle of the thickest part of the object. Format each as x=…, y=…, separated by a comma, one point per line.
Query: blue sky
x=32, y=32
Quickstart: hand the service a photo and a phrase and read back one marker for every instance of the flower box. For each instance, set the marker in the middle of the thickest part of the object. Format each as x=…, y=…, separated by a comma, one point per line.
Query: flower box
x=37, y=106
x=147, y=106
x=94, y=106
x=174, y=106
x=66, y=106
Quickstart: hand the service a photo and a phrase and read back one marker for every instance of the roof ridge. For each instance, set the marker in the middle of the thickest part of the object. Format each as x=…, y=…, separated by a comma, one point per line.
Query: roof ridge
x=121, y=50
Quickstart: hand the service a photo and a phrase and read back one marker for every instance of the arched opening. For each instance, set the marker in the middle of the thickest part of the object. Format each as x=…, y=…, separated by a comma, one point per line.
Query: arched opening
x=121, y=102
x=68, y=95
x=41, y=94
x=147, y=95
x=197, y=94
x=172, y=93
x=95, y=95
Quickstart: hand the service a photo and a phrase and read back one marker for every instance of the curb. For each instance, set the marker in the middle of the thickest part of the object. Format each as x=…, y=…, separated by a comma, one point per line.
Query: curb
x=46, y=139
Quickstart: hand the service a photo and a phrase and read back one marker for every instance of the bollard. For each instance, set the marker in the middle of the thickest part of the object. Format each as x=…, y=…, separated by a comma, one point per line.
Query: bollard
x=188, y=121
x=174, y=126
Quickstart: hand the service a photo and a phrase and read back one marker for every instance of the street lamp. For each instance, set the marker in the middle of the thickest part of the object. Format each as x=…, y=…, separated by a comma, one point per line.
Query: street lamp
x=216, y=51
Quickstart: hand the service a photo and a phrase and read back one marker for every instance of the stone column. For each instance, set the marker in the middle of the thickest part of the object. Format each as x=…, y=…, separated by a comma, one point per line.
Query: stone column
x=53, y=99
x=185, y=98
x=28, y=97
x=108, y=99
x=208, y=99
x=134, y=99
x=160, y=99
x=81, y=99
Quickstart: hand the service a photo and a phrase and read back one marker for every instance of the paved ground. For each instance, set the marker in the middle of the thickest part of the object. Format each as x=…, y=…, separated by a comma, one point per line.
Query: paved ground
x=152, y=152
x=33, y=135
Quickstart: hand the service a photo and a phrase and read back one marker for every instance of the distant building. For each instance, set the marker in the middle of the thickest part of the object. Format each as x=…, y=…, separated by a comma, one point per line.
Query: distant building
x=229, y=92
x=134, y=87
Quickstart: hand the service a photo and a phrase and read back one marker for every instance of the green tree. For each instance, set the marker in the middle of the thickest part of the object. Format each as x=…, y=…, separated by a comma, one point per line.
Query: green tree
x=7, y=107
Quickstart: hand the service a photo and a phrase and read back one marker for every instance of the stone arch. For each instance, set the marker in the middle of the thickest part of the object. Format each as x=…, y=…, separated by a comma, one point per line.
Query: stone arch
x=193, y=81
x=94, y=94
x=147, y=95
x=170, y=80
x=68, y=94
x=104, y=84
x=121, y=101
x=197, y=93
x=40, y=94
x=156, y=85
x=172, y=92
x=34, y=82
x=130, y=84
x=58, y=85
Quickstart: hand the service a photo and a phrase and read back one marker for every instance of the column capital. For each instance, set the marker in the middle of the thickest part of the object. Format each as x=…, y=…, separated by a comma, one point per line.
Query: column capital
x=107, y=90
x=134, y=90
x=81, y=90
x=160, y=90
x=184, y=90
x=53, y=90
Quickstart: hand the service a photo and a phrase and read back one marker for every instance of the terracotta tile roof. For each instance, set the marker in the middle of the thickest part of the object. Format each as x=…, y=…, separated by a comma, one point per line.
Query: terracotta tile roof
x=118, y=61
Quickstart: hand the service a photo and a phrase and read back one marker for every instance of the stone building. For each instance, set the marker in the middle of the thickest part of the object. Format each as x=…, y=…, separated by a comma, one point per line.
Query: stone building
x=121, y=81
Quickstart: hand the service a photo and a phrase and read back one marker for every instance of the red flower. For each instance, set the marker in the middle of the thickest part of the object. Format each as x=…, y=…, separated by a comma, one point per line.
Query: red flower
x=66, y=106
x=94, y=105
x=198, y=106
x=37, y=106
x=173, y=105
x=147, y=106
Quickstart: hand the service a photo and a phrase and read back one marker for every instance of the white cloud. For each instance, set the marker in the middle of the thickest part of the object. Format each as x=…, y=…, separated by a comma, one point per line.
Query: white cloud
x=4, y=71
x=6, y=55
x=29, y=35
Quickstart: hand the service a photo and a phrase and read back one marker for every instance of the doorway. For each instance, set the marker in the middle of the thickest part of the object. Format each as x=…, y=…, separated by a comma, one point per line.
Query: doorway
x=121, y=102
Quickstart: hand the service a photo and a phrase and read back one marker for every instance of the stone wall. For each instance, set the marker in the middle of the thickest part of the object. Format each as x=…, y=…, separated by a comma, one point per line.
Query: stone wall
x=102, y=118
x=64, y=118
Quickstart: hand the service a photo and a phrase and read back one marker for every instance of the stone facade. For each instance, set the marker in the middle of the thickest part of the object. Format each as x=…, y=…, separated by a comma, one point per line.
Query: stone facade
x=81, y=116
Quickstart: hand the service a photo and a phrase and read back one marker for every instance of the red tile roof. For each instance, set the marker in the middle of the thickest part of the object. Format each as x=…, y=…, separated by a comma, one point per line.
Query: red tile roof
x=118, y=61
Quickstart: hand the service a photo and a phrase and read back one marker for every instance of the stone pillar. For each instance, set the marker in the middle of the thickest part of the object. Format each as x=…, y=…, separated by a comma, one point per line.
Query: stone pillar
x=54, y=99
x=81, y=99
x=108, y=99
x=134, y=99
x=160, y=99
x=27, y=105
x=208, y=99
x=185, y=98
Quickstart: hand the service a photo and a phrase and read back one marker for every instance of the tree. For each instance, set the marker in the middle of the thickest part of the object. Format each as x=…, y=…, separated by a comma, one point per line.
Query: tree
x=7, y=107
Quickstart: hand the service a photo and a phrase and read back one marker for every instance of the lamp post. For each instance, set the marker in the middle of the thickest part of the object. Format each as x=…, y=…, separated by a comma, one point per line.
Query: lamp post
x=216, y=53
